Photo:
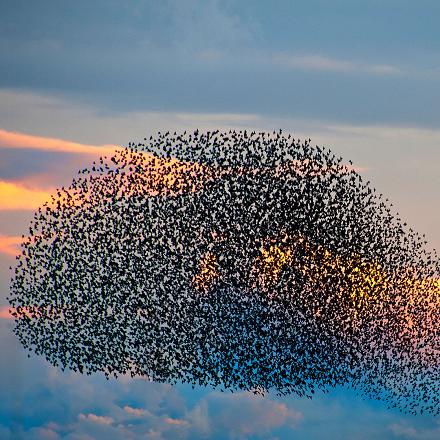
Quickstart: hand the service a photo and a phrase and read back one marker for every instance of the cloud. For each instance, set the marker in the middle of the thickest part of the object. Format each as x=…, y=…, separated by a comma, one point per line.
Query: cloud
x=314, y=62
x=153, y=434
x=244, y=414
x=199, y=418
x=15, y=196
x=4, y=313
x=165, y=52
x=9, y=139
x=101, y=420
x=327, y=64
x=33, y=190
x=61, y=397
x=138, y=412
x=207, y=24
x=10, y=245
x=44, y=433
x=175, y=422
x=216, y=415
x=384, y=69
x=404, y=430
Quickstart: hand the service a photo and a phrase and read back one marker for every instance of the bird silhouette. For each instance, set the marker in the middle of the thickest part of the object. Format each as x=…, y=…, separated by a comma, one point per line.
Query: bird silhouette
x=238, y=260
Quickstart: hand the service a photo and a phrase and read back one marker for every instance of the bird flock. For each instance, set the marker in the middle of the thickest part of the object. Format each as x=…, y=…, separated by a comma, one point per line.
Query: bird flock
x=237, y=260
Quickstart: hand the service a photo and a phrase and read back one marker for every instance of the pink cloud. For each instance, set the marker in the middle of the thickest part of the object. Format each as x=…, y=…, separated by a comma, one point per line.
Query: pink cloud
x=175, y=422
x=44, y=433
x=10, y=139
x=10, y=244
x=101, y=420
x=138, y=412
x=175, y=176
x=5, y=313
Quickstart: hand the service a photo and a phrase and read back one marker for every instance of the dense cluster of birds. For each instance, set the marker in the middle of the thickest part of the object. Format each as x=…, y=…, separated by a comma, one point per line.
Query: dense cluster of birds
x=239, y=260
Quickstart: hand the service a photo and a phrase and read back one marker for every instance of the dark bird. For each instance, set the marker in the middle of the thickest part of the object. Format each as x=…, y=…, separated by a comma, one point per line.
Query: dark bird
x=238, y=260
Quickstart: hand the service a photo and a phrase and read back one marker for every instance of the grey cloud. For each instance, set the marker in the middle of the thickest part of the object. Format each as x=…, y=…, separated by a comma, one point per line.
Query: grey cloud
x=17, y=164
x=211, y=57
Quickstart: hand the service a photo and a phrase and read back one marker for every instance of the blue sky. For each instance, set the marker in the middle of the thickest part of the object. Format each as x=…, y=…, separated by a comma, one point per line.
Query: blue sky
x=362, y=77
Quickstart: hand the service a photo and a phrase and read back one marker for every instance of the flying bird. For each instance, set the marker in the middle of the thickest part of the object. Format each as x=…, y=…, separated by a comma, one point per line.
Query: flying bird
x=239, y=260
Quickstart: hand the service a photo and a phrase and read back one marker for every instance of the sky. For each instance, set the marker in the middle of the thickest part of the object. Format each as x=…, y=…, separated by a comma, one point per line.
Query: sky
x=79, y=78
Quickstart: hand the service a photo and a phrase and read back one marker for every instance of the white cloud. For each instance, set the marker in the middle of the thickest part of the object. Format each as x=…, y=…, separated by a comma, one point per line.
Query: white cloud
x=244, y=414
x=199, y=418
x=101, y=420
x=138, y=412
x=328, y=64
x=405, y=431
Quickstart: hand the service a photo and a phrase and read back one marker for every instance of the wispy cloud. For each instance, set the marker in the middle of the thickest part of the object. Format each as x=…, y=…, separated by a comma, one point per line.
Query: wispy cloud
x=10, y=244
x=11, y=139
x=15, y=196
x=313, y=62
x=175, y=422
x=384, y=69
x=5, y=313
x=328, y=64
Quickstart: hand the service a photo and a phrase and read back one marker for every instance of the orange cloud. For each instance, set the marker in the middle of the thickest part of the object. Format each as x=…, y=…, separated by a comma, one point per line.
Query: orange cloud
x=10, y=139
x=5, y=313
x=17, y=196
x=10, y=244
x=170, y=174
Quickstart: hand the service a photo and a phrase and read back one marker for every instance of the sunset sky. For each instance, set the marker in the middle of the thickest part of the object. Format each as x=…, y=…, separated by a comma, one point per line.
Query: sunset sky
x=78, y=79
